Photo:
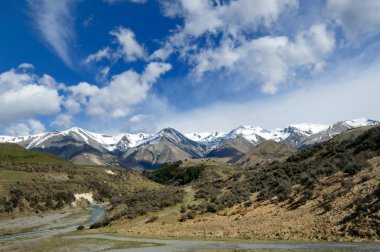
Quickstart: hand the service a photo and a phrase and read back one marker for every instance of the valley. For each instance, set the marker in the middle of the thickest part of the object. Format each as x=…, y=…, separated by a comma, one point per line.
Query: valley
x=324, y=193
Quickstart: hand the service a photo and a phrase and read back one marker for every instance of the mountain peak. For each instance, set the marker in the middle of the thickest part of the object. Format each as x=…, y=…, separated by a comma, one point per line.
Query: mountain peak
x=359, y=122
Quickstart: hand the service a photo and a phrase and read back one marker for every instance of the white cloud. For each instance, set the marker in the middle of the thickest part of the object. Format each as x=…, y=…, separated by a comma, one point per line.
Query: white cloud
x=356, y=17
x=25, y=66
x=341, y=96
x=232, y=18
x=104, y=53
x=103, y=74
x=138, y=118
x=22, y=96
x=125, y=90
x=270, y=58
x=55, y=23
x=84, y=88
x=72, y=106
x=30, y=127
x=49, y=82
x=129, y=48
x=63, y=121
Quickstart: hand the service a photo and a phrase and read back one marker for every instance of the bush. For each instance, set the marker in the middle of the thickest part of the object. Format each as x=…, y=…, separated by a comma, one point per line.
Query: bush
x=182, y=209
x=191, y=215
x=327, y=207
x=347, y=184
x=183, y=218
x=81, y=227
x=173, y=174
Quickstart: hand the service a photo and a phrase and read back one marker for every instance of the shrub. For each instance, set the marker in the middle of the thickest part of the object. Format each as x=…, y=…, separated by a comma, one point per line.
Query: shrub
x=173, y=174
x=191, y=215
x=347, y=184
x=327, y=207
x=183, y=218
x=182, y=209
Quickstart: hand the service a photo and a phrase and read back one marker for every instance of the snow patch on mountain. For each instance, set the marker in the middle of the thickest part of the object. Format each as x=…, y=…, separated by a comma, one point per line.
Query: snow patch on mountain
x=360, y=122
x=209, y=140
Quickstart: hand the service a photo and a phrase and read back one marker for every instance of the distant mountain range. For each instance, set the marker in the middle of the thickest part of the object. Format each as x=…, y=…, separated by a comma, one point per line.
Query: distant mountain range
x=168, y=145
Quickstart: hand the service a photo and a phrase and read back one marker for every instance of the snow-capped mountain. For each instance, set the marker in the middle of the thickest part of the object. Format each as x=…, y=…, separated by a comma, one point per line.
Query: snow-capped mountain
x=336, y=129
x=170, y=145
x=208, y=139
x=110, y=143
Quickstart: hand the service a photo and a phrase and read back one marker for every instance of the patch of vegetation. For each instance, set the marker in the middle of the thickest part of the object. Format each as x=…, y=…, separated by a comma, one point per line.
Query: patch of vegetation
x=174, y=174
x=364, y=222
x=142, y=201
x=304, y=169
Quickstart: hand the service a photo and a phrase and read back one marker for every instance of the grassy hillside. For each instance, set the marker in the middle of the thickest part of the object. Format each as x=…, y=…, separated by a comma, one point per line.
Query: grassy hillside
x=15, y=154
x=33, y=181
x=266, y=152
x=326, y=192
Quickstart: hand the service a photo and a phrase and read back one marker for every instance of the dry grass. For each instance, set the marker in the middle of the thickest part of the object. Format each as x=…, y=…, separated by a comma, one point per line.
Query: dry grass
x=265, y=220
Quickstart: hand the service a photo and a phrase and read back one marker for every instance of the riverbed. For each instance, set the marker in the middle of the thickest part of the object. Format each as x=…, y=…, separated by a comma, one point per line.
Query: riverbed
x=33, y=239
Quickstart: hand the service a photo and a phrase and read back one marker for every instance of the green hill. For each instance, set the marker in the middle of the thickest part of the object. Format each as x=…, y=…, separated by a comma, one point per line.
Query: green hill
x=13, y=153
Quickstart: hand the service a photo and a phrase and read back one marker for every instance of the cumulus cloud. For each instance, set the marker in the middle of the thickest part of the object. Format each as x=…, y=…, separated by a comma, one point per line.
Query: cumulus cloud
x=356, y=17
x=30, y=127
x=63, y=121
x=23, y=96
x=231, y=18
x=271, y=58
x=268, y=59
x=128, y=48
x=83, y=89
x=125, y=90
x=55, y=22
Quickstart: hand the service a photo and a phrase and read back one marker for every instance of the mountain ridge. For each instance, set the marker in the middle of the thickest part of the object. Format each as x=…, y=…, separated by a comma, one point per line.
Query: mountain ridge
x=109, y=149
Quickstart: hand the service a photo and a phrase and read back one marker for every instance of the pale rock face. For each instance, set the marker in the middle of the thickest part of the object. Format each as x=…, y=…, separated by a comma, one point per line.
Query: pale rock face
x=86, y=196
x=109, y=172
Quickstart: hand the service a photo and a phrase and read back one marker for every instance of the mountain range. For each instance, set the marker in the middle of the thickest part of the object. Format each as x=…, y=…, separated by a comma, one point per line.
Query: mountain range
x=168, y=145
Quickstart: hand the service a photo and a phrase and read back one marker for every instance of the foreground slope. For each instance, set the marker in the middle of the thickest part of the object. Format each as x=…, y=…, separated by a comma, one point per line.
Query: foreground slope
x=328, y=192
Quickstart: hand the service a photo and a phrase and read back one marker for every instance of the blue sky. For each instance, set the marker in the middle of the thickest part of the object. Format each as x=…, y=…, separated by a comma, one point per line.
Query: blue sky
x=196, y=65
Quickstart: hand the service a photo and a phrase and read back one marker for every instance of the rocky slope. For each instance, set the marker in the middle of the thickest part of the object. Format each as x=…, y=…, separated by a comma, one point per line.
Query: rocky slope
x=168, y=145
